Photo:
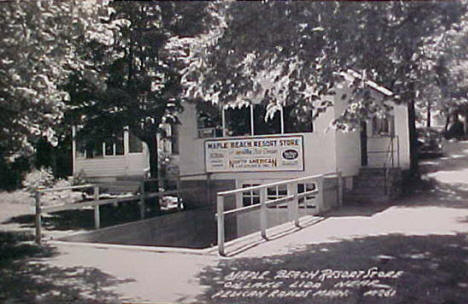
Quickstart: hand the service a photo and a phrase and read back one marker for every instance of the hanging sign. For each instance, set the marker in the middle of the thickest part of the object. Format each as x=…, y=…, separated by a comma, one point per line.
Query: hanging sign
x=253, y=154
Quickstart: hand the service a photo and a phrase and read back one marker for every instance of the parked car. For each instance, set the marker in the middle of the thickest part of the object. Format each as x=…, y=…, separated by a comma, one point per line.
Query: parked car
x=430, y=142
x=169, y=203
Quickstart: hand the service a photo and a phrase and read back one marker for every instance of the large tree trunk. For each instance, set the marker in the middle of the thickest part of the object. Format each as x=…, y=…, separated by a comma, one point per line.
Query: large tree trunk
x=153, y=155
x=414, y=168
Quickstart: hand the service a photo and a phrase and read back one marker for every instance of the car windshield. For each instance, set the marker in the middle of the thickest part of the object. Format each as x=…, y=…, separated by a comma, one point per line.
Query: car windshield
x=428, y=133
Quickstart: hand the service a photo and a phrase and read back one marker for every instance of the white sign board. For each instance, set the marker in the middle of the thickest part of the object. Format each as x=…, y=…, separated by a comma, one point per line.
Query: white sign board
x=253, y=154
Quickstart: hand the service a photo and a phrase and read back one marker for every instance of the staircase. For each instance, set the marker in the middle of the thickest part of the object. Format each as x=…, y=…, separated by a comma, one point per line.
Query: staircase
x=374, y=186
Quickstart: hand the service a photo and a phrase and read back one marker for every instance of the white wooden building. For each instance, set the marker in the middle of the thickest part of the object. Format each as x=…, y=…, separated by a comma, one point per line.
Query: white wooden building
x=253, y=157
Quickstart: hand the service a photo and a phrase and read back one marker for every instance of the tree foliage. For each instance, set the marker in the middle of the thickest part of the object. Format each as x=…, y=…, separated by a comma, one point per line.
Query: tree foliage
x=301, y=47
x=38, y=49
x=142, y=85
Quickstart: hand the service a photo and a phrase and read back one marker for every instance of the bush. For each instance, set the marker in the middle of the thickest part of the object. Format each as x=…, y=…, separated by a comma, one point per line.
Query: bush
x=42, y=178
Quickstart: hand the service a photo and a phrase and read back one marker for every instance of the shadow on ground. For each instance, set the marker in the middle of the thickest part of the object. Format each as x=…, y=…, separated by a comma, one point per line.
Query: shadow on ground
x=25, y=279
x=430, y=192
x=434, y=270
x=84, y=219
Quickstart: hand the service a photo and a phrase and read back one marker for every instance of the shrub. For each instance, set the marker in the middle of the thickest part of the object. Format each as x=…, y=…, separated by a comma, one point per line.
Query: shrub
x=42, y=178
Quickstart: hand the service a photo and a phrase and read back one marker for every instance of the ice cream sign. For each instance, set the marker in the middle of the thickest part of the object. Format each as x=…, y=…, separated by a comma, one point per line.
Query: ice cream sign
x=251, y=154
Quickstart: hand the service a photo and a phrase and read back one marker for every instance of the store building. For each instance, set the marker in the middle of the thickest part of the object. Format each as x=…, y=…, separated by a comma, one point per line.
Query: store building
x=239, y=148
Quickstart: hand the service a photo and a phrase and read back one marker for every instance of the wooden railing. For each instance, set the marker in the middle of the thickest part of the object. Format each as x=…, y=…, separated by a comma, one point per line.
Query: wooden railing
x=389, y=151
x=292, y=197
x=97, y=201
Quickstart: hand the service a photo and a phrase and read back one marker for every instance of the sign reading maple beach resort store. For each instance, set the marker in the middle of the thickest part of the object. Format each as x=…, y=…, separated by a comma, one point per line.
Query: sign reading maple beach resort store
x=275, y=153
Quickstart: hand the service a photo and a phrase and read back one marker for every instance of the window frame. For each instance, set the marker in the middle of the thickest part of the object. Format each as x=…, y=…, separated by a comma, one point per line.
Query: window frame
x=251, y=122
x=250, y=194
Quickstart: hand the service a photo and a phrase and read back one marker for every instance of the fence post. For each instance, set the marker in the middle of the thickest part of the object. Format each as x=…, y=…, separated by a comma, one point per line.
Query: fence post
x=340, y=189
x=142, y=199
x=263, y=219
x=38, y=218
x=293, y=204
x=179, y=202
x=220, y=212
x=320, y=202
x=97, y=217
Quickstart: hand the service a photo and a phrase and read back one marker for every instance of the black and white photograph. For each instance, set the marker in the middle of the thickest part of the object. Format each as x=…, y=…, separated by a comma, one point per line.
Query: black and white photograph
x=233, y=152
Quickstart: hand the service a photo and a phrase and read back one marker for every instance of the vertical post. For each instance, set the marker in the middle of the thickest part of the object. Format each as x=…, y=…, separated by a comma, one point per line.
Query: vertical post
x=252, y=130
x=238, y=197
x=220, y=212
x=142, y=199
x=38, y=218
x=320, y=202
x=223, y=121
x=179, y=202
x=97, y=218
x=263, y=219
x=293, y=204
x=126, y=141
x=282, y=119
x=74, y=149
x=340, y=189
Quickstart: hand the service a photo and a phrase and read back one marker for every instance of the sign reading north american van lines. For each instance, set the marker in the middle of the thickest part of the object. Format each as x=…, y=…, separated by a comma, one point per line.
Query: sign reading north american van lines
x=249, y=154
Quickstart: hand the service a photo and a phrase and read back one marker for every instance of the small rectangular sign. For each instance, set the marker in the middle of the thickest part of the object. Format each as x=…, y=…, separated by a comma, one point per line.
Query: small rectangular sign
x=253, y=154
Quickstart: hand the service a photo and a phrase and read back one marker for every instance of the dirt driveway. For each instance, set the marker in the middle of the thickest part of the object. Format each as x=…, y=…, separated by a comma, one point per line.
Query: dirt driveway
x=414, y=250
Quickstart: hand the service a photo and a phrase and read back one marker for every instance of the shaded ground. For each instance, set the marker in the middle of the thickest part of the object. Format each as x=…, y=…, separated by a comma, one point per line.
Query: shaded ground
x=84, y=218
x=25, y=279
x=414, y=250
x=434, y=270
x=422, y=237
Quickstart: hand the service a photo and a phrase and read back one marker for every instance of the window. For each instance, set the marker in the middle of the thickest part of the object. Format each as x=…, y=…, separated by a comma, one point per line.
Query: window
x=135, y=144
x=309, y=200
x=209, y=122
x=297, y=120
x=383, y=126
x=111, y=146
x=93, y=150
x=250, y=197
x=114, y=146
x=277, y=192
x=238, y=121
x=270, y=126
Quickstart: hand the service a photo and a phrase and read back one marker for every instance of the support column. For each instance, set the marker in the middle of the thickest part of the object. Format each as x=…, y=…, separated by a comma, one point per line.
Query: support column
x=220, y=219
x=320, y=201
x=252, y=130
x=263, y=211
x=97, y=217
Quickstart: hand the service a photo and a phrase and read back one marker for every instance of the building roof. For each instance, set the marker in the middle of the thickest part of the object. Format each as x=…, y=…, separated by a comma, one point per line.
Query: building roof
x=351, y=75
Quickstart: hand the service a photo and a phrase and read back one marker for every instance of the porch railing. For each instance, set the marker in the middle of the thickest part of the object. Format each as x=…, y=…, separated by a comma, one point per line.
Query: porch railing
x=292, y=198
x=389, y=158
x=389, y=151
